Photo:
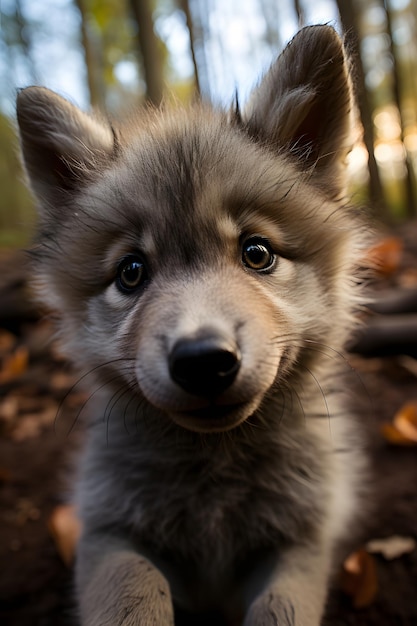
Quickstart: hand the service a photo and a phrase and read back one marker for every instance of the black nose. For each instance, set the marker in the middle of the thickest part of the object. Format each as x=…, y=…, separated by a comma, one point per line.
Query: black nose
x=204, y=365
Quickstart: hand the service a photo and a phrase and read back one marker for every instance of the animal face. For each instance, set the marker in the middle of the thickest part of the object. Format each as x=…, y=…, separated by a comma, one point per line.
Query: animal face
x=196, y=256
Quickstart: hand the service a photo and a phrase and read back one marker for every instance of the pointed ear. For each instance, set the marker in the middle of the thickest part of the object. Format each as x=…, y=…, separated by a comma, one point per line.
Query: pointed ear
x=61, y=145
x=304, y=103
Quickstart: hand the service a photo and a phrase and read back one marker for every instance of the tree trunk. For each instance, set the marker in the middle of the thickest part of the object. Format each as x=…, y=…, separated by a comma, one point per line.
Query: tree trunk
x=185, y=7
x=398, y=90
x=299, y=12
x=150, y=50
x=93, y=66
x=201, y=30
x=350, y=27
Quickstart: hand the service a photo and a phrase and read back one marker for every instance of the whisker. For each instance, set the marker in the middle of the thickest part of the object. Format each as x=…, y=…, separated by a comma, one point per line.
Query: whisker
x=116, y=398
x=297, y=395
x=133, y=397
x=79, y=381
x=284, y=404
x=345, y=360
x=322, y=394
x=329, y=352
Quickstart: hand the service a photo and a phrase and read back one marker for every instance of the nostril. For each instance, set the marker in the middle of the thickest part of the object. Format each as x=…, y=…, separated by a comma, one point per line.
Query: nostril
x=204, y=365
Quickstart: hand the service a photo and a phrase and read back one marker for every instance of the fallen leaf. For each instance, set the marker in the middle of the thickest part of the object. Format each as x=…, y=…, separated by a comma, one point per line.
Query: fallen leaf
x=7, y=342
x=392, y=547
x=403, y=429
x=65, y=529
x=405, y=421
x=385, y=257
x=30, y=425
x=14, y=365
x=9, y=408
x=394, y=436
x=359, y=578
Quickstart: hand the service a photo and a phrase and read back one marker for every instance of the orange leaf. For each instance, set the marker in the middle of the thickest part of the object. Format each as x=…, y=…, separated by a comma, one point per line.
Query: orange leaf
x=359, y=578
x=393, y=435
x=405, y=421
x=385, y=257
x=14, y=365
x=65, y=529
x=7, y=342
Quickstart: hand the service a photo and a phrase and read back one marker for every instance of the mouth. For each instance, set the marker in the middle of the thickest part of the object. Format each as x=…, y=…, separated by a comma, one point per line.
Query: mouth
x=213, y=417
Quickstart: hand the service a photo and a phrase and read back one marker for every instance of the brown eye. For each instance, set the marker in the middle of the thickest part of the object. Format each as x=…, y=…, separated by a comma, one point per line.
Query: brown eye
x=131, y=274
x=257, y=254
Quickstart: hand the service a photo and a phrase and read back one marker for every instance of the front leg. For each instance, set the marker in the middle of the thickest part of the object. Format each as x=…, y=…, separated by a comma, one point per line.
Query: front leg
x=119, y=587
x=296, y=593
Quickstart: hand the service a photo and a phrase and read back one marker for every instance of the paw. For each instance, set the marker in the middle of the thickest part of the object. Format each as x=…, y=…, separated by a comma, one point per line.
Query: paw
x=271, y=610
x=133, y=611
x=139, y=612
x=152, y=607
x=132, y=592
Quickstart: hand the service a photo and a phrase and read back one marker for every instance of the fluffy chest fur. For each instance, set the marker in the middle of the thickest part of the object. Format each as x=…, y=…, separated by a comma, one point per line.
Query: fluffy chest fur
x=213, y=507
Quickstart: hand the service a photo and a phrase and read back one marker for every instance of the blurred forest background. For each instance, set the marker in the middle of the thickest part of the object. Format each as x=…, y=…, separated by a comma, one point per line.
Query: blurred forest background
x=114, y=54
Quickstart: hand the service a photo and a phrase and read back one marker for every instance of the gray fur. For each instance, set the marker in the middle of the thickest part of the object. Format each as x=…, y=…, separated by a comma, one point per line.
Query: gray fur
x=234, y=502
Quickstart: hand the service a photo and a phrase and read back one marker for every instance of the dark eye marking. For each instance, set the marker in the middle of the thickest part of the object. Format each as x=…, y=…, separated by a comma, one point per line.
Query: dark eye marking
x=131, y=273
x=257, y=254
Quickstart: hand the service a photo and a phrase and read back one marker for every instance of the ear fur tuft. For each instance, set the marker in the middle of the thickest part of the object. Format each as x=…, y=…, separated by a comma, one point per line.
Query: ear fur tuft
x=303, y=106
x=60, y=144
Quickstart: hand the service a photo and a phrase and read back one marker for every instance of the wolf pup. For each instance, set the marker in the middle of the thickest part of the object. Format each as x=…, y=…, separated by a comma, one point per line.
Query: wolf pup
x=202, y=264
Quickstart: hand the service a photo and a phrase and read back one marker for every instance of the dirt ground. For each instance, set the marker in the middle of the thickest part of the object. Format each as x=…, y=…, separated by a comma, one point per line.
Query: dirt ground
x=40, y=433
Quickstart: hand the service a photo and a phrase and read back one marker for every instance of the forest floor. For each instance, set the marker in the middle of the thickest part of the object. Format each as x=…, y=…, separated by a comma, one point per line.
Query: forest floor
x=40, y=433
